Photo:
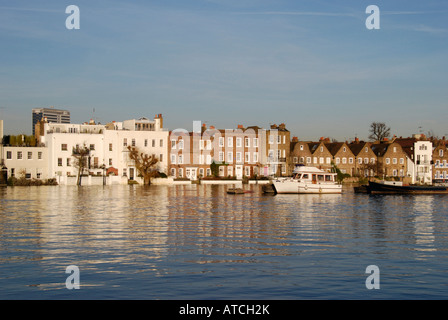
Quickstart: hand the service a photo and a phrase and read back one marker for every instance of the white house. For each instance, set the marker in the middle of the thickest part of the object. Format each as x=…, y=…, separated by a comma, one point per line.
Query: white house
x=27, y=162
x=108, y=145
x=423, y=161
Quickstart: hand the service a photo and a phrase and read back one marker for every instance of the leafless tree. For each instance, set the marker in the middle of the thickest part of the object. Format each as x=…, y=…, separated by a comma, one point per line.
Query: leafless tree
x=145, y=164
x=379, y=131
x=81, y=154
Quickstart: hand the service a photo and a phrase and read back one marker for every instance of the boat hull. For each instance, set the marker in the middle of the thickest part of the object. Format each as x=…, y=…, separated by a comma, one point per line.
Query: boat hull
x=294, y=186
x=380, y=188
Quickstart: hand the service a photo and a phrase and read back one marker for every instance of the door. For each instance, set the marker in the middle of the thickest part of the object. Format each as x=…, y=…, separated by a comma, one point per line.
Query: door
x=239, y=172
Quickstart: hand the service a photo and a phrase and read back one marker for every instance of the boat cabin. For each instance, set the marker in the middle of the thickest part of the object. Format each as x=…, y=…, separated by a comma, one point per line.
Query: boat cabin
x=314, y=177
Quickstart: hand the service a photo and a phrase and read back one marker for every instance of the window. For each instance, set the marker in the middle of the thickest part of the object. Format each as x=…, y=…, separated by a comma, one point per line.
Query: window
x=395, y=149
x=30, y=155
x=133, y=142
x=350, y=160
x=255, y=142
x=255, y=157
x=321, y=149
x=59, y=162
x=344, y=160
x=401, y=160
x=125, y=142
x=360, y=160
x=161, y=143
x=229, y=157
x=19, y=155
x=221, y=156
x=181, y=172
x=8, y=155
x=39, y=155
x=238, y=157
x=230, y=142
x=387, y=161
x=344, y=149
x=279, y=139
x=209, y=172
x=295, y=159
x=181, y=144
x=173, y=144
x=208, y=160
x=173, y=159
x=321, y=160
x=308, y=159
x=146, y=142
x=246, y=142
x=201, y=144
x=221, y=141
x=366, y=160
x=441, y=152
x=201, y=172
x=372, y=160
x=181, y=159
x=110, y=146
x=92, y=147
x=329, y=160
x=68, y=162
x=161, y=157
x=173, y=172
x=64, y=147
x=209, y=144
x=229, y=171
x=271, y=139
x=238, y=142
x=247, y=157
x=110, y=162
x=153, y=143
x=394, y=161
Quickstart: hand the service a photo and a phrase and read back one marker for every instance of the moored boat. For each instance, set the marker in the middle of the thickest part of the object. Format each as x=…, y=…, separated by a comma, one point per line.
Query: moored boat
x=307, y=180
x=385, y=188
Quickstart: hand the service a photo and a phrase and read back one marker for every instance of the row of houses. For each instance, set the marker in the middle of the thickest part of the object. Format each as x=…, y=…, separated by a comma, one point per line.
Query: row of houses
x=237, y=153
x=414, y=160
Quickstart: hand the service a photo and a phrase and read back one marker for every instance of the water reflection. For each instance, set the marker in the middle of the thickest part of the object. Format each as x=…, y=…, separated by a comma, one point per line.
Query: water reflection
x=422, y=208
x=137, y=237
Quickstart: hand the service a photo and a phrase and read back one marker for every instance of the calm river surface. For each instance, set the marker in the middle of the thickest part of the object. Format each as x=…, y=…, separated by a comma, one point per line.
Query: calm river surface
x=198, y=242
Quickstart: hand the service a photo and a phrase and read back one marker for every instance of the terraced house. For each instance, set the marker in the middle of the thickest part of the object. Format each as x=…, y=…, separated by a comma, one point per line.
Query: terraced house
x=237, y=152
x=440, y=161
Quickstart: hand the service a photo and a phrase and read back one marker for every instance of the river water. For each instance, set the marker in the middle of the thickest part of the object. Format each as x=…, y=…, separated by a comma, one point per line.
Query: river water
x=198, y=242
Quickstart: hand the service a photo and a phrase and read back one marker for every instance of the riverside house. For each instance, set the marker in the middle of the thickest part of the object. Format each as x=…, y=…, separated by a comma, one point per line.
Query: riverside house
x=237, y=152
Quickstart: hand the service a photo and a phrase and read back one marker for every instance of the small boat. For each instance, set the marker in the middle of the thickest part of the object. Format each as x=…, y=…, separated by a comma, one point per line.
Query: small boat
x=307, y=180
x=389, y=188
x=235, y=191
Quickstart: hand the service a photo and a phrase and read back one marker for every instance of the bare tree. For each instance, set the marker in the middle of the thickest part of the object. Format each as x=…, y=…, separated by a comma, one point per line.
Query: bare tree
x=81, y=154
x=379, y=131
x=145, y=164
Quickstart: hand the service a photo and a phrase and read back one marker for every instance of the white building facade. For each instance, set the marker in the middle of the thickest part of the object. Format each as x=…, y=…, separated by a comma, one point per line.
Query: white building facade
x=108, y=148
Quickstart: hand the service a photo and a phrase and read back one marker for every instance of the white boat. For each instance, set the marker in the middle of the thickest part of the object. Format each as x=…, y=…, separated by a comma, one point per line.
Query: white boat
x=308, y=180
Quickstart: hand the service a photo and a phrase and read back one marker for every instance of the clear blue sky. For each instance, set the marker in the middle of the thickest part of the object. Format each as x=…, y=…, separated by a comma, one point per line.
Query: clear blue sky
x=310, y=64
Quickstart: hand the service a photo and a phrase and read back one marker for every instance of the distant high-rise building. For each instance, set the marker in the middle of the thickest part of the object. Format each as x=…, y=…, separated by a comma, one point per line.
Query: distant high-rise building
x=52, y=115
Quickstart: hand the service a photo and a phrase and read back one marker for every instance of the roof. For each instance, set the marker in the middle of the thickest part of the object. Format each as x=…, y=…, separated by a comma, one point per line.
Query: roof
x=380, y=148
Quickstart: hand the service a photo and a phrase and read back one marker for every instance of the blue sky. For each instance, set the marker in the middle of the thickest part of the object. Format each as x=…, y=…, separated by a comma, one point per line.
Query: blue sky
x=312, y=65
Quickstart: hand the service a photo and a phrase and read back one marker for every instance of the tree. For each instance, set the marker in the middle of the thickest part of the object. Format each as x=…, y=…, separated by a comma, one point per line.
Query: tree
x=145, y=164
x=81, y=155
x=379, y=131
